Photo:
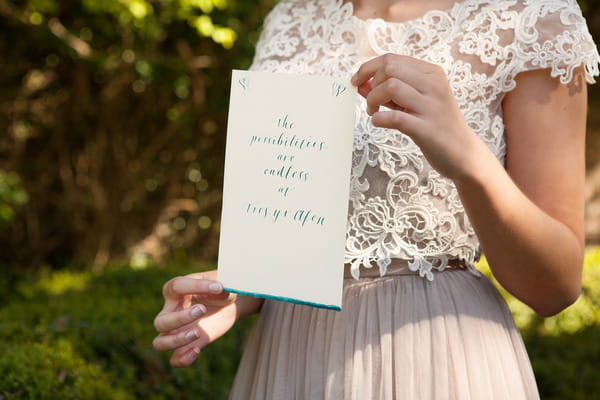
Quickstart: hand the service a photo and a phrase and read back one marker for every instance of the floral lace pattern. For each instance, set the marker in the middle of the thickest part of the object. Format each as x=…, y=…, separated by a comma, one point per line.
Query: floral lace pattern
x=401, y=208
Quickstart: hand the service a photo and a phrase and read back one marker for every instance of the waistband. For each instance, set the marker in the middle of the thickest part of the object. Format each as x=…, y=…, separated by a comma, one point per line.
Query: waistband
x=400, y=267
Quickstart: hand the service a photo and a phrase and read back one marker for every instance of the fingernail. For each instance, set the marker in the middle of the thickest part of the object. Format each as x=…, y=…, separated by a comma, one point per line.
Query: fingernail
x=353, y=79
x=193, y=353
x=198, y=310
x=191, y=335
x=215, y=287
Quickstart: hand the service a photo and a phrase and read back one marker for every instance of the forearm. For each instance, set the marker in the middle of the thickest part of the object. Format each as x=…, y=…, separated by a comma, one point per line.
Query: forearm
x=533, y=255
x=529, y=216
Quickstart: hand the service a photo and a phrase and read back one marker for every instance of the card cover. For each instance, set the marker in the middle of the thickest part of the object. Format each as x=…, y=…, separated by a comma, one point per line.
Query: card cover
x=286, y=187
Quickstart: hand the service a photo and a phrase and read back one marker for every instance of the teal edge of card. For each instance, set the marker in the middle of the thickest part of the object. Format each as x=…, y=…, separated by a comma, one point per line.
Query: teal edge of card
x=286, y=299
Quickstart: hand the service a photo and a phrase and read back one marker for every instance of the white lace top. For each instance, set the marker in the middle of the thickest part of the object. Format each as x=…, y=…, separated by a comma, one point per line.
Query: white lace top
x=401, y=208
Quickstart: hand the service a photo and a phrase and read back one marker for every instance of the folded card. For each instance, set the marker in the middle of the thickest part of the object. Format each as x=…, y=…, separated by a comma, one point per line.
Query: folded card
x=285, y=196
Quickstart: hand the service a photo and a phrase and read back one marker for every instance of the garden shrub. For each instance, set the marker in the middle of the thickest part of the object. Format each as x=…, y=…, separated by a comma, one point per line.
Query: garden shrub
x=98, y=328
x=51, y=371
x=564, y=349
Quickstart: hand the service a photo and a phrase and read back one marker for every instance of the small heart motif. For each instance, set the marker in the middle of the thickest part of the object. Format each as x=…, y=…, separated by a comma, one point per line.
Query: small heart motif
x=337, y=89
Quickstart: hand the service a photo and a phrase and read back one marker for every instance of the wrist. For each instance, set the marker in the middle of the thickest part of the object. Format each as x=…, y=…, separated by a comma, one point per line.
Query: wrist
x=247, y=305
x=481, y=166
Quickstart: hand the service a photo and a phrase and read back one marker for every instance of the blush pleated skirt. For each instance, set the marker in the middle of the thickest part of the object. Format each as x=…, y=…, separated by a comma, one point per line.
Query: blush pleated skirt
x=398, y=337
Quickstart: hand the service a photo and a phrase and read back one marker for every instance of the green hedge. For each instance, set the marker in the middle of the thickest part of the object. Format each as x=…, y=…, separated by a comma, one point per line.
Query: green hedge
x=565, y=349
x=78, y=335
x=52, y=371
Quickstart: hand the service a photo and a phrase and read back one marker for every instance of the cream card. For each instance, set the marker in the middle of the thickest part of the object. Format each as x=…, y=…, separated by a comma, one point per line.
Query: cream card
x=286, y=188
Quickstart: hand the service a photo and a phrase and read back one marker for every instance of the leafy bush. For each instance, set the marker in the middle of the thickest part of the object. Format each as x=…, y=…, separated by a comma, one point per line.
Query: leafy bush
x=51, y=371
x=75, y=335
x=113, y=118
x=11, y=194
x=565, y=349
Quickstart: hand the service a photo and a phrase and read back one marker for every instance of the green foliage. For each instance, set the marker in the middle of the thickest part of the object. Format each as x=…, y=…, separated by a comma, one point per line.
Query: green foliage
x=11, y=194
x=115, y=114
x=143, y=17
x=51, y=371
x=564, y=349
x=78, y=335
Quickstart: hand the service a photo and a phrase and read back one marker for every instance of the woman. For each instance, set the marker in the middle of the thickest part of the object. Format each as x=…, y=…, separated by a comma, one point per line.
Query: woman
x=470, y=135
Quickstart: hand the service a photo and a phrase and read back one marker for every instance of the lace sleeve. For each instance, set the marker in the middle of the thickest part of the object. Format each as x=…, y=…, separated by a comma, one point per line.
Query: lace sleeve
x=553, y=34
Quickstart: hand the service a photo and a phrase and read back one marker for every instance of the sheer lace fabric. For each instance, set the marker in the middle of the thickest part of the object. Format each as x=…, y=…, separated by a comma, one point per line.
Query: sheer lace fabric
x=401, y=208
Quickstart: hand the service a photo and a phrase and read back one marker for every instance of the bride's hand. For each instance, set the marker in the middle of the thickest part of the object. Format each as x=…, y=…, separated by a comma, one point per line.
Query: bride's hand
x=196, y=312
x=421, y=105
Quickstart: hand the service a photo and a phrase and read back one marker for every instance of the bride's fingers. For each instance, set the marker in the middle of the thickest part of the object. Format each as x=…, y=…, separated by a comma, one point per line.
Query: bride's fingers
x=175, y=289
x=405, y=122
x=168, y=321
x=165, y=342
x=214, y=302
x=365, y=89
x=394, y=94
x=207, y=330
x=368, y=70
x=185, y=358
x=409, y=70
x=194, y=334
x=215, y=299
x=381, y=75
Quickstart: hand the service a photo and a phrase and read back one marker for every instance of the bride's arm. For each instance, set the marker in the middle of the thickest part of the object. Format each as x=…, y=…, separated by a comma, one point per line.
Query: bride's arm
x=529, y=216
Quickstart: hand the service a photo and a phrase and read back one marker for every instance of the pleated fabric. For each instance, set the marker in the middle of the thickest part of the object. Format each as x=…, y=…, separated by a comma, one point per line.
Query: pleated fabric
x=398, y=337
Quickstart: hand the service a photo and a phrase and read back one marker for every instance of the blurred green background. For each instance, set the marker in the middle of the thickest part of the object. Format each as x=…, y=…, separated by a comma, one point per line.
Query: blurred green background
x=112, y=127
